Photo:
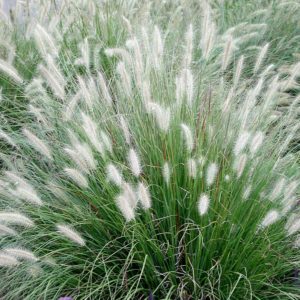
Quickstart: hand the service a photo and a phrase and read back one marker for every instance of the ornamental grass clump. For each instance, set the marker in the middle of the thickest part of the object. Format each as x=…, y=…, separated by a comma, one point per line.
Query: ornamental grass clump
x=149, y=168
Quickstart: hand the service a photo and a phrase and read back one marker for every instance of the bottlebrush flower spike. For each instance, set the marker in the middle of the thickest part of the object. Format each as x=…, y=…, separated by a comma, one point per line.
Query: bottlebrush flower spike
x=238, y=71
x=241, y=142
x=144, y=196
x=70, y=107
x=70, y=233
x=114, y=175
x=145, y=39
x=276, y=193
x=27, y=193
x=192, y=168
x=7, y=260
x=162, y=116
x=53, y=82
x=77, y=177
x=158, y=48
x=125, y=208
x=127, y=24
x=7, y=138
x=203, y=204
x=85, y=92
x=189, y=47
x=91, y=132
x=15, y=218
x=106, y=141
x=133, y=44
x=15, y=178
x=261, y=57
x=240, y=164
x=184, y=87
x=227, y=52
x=130, y=194
x=79, y=161
x=125, y=78
x=54, y=69
x=294, y=227
x=85, y=153
x=37, y=144
x=290, y=189
x=211, y=173
x=227, y=102
x=208, y=31
x=45, y=42
x=166, y=172
x=10, y=71
x=146, y=94
x=125, y=56
x=125, y=129
x=188, y=82
x=271, y=217
x=134, y=163
x=4, y=230
x=104, y=88
x=84, y=60
x=188, y=137
x=256, y=142
x=19, y=253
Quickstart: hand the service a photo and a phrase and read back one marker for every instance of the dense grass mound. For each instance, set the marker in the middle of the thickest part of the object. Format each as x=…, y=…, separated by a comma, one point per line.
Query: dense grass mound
x=148, y=156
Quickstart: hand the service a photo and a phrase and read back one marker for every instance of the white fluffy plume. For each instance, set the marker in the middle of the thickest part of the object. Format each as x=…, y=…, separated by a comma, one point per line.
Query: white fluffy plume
x=114, y=175
x=124, y=206
x=211, y=173
x=7, y=138
x=203, y=204
x=144, y=196
x=277, y=190
x=185, y=87
x=125, y=78
x=238, y=71
x=294, y=226
x=241, y=142
x=161, y=115
x=27, y=193
x=129, y=193
x=5, y=230
x=271, y=217
x=37, y=144
x=10, y=71
x=104, y=88
x=261, y=57
x=19, y=253
x=166, y=172
x=188, y=137
x=15, y=218
x=240, y=164
x=91, y=132
x=125, y=129
x=23, y=189
x=77, y=177
x=134, y=162
x=192, y=168
x=256, y=142
x=158, y=48
x=70, y=233
x=7, y=260
x=227, y=52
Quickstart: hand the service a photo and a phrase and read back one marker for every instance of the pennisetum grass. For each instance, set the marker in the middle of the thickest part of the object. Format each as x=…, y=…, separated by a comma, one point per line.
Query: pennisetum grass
x=146, y=165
